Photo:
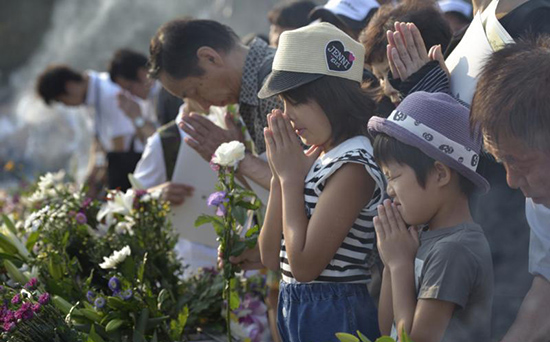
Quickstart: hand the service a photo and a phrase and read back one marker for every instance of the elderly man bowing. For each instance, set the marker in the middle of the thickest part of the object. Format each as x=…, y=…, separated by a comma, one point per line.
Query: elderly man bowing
x=204, y=60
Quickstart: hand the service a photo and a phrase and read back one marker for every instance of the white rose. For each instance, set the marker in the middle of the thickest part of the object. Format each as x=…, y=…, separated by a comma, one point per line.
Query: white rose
x=229, y=154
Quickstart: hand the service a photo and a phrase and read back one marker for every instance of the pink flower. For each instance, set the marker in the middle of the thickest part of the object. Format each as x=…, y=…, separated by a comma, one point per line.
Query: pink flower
x=214, y=166
x=9, y=326
x=31, y=285
x=9, y=316
x=16, y=299
x=36, y=307
x=44, y=298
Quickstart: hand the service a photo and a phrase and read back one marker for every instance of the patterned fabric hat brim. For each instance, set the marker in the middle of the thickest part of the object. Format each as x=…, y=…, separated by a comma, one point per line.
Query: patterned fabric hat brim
x=381, y=125
x=280, y=81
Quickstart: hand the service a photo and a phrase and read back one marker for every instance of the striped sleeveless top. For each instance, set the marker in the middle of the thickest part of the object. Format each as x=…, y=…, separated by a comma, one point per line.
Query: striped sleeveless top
x=352, y=261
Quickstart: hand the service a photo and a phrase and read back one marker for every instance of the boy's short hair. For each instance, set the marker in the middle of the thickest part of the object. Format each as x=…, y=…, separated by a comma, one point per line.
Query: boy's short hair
x=52, y=82
x=174, y=47
x=387, y=149
x=512, y=96
x=292, y=15
x=126, y=64
x=428, y=19
x=347, y=106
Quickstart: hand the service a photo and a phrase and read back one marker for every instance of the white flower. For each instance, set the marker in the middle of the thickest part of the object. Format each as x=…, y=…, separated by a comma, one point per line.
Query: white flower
x=125, y=226
x=229, y=154
x=120, y=203
x=116, y=258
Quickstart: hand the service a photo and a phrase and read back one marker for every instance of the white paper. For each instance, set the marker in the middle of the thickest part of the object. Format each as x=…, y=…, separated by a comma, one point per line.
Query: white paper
x=192, y=170
x=467, y=59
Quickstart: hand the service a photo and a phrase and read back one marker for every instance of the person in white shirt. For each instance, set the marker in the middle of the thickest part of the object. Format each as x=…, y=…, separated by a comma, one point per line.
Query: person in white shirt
x=128, y=69
x=155, y=172
x=512, y=107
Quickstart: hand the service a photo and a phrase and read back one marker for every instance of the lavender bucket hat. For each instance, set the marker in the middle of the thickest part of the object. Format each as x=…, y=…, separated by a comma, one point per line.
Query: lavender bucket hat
x=438, y=125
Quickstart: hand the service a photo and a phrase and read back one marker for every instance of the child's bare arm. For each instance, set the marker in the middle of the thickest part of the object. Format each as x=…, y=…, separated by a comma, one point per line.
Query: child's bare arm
x=271, y=232
x=311, y=244
x=427, y=319
x=385, y=305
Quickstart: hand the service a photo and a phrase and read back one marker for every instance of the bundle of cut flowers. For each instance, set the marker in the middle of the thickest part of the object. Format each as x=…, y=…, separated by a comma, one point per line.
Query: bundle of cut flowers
x=27, y=315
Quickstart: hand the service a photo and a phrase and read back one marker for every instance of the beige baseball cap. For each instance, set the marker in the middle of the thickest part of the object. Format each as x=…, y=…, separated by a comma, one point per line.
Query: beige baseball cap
x=311, y=52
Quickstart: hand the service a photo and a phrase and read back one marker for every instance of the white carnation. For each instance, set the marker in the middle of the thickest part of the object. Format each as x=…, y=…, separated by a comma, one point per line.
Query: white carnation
x=229, y=154
x=116, y=258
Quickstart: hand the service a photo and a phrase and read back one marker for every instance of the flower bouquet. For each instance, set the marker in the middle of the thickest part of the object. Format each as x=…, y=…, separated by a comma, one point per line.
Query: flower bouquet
x=232, y=204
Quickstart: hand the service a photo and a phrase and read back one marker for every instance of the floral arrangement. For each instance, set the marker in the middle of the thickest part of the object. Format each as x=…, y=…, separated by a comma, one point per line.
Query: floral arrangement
x=111, y=272
x=28, y=315
x=232, y=203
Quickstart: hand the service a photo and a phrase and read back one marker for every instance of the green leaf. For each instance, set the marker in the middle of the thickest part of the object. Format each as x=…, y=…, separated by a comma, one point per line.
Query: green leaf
x=362, y=337
x=248, y=205
x=93, y=336
x=252, y=231
x=177, y=326
x=155, y=338
x=203, y=219
x=128, y=268
x=235, y=301
x=385, y=339
x=11, y=257
x=141, y=323
x=345, y=337
x=55, y=269
x=6, y=245
x=238, y=248
x=14, y=273
x=141, y=268
x=114, y=324
x=138, y=337
x=91, y=315
x=404, y=336
x=9, y=224
x=153, y=322
x=116, y=303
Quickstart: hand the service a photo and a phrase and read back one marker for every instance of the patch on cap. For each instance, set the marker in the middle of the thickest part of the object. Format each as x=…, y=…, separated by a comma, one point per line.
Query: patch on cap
x=338, y=58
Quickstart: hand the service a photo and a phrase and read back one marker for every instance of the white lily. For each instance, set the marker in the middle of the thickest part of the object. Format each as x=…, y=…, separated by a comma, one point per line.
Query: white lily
x=121, y=203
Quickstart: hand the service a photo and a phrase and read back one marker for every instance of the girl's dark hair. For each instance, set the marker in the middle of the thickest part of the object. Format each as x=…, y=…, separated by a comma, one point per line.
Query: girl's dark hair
x=292, y=15
x=388, y=149
x=347, y=106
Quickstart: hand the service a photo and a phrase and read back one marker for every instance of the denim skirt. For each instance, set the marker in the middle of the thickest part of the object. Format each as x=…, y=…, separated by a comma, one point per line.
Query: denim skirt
x=316, y=312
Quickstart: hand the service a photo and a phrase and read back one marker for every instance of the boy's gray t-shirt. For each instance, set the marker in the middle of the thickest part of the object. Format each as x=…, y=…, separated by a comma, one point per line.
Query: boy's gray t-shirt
x=454, y=265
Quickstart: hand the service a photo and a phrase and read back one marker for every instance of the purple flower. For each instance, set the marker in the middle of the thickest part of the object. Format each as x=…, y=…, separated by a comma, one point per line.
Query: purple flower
x=81, y=218
x=25, y=312
x=99, y=302
x=127, y=295
x=16, y=299
x=31, y=285
x=90, y=295
x=1, y=289
x=217, y=199
x=86, y=203
x=36, y=307
x=114, y=284
x=9, y=326
x=44, y=298
x=9, y=316
x=221, y=210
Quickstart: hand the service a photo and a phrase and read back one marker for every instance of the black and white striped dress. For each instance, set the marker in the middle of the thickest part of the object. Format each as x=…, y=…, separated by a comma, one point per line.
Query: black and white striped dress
x=352, y=261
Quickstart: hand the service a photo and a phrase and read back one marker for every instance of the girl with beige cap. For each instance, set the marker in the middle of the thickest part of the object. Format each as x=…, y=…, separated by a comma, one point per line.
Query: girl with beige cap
x=318, y=228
